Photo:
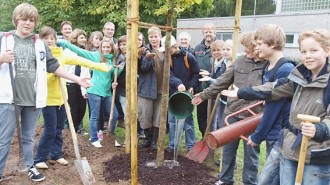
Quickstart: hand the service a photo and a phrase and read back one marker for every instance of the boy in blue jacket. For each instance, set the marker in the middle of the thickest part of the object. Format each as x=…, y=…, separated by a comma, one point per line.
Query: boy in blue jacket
x=184, y=73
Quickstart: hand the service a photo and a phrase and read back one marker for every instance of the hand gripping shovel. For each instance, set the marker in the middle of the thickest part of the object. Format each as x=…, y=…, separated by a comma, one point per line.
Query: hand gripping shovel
x=200, y=150
x=22, y=165
x=81, y=163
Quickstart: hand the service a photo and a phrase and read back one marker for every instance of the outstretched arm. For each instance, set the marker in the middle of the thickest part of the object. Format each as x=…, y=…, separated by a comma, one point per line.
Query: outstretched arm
x=61, y=72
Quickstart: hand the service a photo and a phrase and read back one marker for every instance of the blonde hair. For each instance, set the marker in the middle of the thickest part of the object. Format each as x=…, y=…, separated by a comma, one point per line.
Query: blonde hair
x=112, y=46
x=25, y=11
x=247, y=40
x=229, y=43
x=321, y=36
x=217, y=44
x=184, y=34
x=272, y=35
x=208, y=26
x=154, y=30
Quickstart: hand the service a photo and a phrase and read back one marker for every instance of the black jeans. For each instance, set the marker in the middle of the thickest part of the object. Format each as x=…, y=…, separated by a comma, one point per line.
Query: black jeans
x=77, y=103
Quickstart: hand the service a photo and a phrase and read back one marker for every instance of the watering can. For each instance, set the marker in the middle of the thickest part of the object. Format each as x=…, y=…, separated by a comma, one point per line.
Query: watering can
x=179, y=104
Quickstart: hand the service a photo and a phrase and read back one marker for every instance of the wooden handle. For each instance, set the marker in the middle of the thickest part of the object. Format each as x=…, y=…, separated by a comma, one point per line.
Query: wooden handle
x=113, y=101
x=68, y=114
x=308, y=118
x=303, y=147
x=209, y=121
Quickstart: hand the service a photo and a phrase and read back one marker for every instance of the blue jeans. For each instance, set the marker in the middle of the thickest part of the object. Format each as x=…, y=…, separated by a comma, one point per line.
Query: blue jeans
x=251, y=161
x=51, y=142
x=270, y=174
x=29, y=119
x=313, y=174
x=95, y=102
x=189, y=131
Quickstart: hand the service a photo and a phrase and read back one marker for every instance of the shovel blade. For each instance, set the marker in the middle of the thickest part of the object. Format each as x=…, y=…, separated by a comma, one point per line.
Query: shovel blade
x=200, y=158
x=195, y=150
x=85, y=172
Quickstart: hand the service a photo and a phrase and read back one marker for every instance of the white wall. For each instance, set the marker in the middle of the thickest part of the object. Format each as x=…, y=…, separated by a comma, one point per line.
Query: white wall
x=291, y=23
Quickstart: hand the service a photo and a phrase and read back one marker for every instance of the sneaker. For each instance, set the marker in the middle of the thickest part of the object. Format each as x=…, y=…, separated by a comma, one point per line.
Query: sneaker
x=34, y=175
x=219, y=182
x=97, y=144
x=121, y=124
x=41, y=165
x=62, y=161
x=117, y=144
x=81, y=132
x=100, y=135
x=1, y=178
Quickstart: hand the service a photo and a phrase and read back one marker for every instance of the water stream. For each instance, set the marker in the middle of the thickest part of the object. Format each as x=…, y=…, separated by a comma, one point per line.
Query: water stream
x=177, y=136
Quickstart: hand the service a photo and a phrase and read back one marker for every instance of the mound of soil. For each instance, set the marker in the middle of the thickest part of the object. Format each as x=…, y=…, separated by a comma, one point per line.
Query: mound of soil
x=188, y=173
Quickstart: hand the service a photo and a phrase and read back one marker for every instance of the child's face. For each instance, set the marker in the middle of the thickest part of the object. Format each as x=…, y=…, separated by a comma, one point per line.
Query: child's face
x=25, y=27
x=81, y=40
x=174, y=49
x=248, y=53
x=217, y=53
x=140, y=40
x=227, y=51
x=313, y=56
x=264, y=50
x=154, y=40
x=96, y=41
x=49, y=40
x=122, y=47
x=106, y=48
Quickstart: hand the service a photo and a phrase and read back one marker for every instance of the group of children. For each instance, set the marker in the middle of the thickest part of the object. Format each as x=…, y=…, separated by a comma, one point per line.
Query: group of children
x=261, y=73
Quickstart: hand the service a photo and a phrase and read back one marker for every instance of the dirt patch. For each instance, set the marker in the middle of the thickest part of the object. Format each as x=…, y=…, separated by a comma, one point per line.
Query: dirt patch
x=109, y=166
x=188, y=173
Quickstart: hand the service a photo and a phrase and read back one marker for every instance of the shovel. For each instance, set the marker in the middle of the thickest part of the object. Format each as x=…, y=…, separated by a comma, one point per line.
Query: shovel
x=200, y=150
x=109, y=137
x=22, y=165
x=81, y=163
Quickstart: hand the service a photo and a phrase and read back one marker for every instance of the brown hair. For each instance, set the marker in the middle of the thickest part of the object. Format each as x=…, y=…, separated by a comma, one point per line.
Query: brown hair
x=91, y=37
x=75, y=34
x=113, y=49
x=143, y=39
x=272, y=35
x=25, y=11
x=65, y=22
x=321, y=36
x=46, y=31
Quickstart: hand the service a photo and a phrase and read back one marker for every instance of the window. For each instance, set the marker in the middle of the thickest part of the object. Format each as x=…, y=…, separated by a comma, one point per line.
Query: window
x=224, y=35
x=292, y=40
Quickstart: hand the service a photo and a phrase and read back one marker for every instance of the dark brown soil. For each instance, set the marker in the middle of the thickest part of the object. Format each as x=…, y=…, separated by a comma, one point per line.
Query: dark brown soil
x=188, y=173
x=109, y=166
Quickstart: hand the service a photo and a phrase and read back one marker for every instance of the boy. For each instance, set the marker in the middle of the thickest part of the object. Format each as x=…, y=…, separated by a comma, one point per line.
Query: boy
x=307, y=84
x=31, y=59
x=182, y=78
x=150, y=69
x=245, y=71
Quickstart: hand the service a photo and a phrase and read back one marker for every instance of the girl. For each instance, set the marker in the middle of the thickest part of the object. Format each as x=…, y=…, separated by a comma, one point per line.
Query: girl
x=75, y=97
x=100, y=93
x=308, y=84
x=94, y=41
x=51, y=141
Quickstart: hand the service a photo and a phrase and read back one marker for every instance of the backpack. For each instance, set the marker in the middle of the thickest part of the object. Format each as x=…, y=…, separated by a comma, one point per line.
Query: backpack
x=282, y=61
x=186, y=62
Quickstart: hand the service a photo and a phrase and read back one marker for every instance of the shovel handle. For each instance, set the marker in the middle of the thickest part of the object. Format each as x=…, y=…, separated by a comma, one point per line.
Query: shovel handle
x=209, y=121
x=68, y=114
x=113, y=101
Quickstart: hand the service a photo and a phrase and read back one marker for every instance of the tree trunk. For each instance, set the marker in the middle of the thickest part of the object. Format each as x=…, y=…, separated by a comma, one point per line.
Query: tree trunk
x=165, y=96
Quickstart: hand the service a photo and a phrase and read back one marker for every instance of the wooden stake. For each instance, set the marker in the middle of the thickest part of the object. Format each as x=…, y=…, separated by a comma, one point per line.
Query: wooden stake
x=236, y=29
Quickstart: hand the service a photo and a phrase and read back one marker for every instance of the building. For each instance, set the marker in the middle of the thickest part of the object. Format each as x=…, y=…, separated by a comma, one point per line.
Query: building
x=305, y=16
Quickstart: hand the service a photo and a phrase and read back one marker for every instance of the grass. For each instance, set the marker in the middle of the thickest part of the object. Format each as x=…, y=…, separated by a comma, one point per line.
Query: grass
x=120, y=134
